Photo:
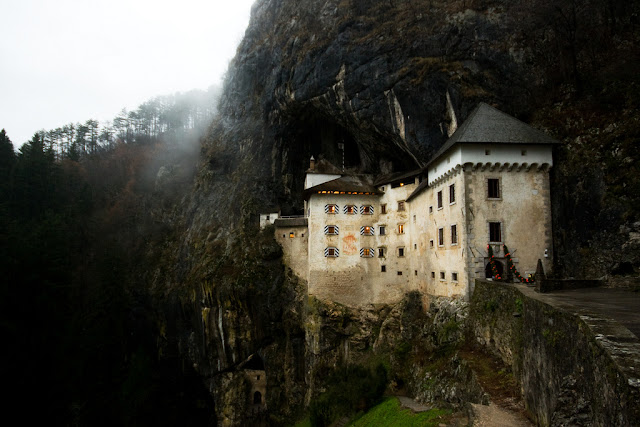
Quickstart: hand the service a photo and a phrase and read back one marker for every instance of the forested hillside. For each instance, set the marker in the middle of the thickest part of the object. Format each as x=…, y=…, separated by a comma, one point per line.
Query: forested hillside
x=85, y=213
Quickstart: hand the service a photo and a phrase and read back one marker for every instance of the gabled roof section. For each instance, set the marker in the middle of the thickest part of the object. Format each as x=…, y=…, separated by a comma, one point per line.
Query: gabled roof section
x=488, y=125
x=395, y=177
x=424, y=184
x=348, y=184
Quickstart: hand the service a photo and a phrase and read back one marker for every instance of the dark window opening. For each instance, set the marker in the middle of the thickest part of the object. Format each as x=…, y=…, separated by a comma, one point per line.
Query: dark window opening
x=493, y=187
x=439, y=199
x=257, y=398
x=383, y=268
x=488, y=271
x=452, y=193
x=495, y=232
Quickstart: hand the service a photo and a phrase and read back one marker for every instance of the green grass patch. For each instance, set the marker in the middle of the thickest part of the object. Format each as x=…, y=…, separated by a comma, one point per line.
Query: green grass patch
x=391, y=413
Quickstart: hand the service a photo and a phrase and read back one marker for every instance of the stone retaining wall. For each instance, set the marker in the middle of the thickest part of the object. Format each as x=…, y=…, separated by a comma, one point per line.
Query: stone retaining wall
x=573, y=369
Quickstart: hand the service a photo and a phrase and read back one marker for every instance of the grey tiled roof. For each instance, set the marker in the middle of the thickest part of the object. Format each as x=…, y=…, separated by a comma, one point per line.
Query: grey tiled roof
x=486, y=125
x=346, y=183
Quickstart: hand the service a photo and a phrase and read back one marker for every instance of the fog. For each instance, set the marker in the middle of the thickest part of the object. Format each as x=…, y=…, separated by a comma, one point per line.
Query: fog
x=72, y=60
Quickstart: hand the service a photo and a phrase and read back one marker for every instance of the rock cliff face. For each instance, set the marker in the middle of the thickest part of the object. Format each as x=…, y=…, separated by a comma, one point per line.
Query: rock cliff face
x=391, y=80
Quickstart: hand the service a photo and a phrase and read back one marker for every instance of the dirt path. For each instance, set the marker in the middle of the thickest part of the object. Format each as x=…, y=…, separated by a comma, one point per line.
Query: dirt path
x=494, y=416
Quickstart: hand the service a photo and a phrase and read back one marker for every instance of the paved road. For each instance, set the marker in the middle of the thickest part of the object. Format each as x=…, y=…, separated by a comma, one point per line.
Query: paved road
x=620, y=305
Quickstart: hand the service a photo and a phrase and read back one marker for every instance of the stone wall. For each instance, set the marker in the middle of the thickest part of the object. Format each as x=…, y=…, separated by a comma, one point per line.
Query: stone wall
x=573, y=370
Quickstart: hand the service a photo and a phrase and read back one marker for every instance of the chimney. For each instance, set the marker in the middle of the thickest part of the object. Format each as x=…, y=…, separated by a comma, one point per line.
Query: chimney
x=312, y=164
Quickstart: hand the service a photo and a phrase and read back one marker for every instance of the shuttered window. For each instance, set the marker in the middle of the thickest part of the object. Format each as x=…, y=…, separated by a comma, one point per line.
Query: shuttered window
x=366, y=210
x=331, y=209
x=366, y=252
x=331, y=229
x=366, y=230
x=350, y=210
x=331, y=252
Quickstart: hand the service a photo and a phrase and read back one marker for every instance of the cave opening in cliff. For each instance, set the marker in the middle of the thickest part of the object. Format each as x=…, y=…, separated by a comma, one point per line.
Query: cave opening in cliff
x=324, y=138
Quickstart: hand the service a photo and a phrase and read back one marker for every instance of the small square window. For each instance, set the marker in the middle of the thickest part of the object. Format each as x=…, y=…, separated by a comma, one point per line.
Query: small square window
x=383, y=268
x=383, y=207
x=366, y=253
x=331, y=252
x=433, y=274
x=292, y=235
x=302, y=235
x=401, y=206
x=366, y=210
x=487, y=152
x=331, y=229
x=454, y=277
x=442, y=275
x=331, y=209
x=400, y=252
x=366, y=230
x=399, y=273
x=523, y=152
x=383, y=230
x=350, y=210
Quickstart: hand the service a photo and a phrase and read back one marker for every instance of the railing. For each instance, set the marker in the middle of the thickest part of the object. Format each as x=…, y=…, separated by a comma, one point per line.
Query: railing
x=291, y=216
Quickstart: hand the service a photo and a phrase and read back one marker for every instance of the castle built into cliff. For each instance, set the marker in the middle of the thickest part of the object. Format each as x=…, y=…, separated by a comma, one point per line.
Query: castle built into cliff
x=366, y=239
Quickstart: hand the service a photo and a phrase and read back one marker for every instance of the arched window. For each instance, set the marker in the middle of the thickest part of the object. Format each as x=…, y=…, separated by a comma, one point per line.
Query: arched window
x=487, y=270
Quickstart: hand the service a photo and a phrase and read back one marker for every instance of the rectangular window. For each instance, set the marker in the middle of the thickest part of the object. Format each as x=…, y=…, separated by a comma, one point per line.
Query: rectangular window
x=401, y=206
x=399, y=273
x=366, y=252
x=442, y=275
x=366, y=230
x=366, y=210
x=331, y=229
x=400, y=228
x=350, y=210
x=400, y=252
x=414, y=219
x=440, y=236
x=383, y=208
x=487, y=152
x=381, y=252
x=330, y=209
x=383, y=268
x=454, y=234
x=430, y=209
x=440, y=199
x=415, y=272
x=382, y=230
x=452, y=193
x=454, y=277
x=331, y=252
x=433, y=274
x=495, y=232
x=431, y=243
x=292, y=234
x=493, y=188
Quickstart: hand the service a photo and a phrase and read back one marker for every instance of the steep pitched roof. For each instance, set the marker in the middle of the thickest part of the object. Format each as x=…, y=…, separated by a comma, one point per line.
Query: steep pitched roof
x=487, y=124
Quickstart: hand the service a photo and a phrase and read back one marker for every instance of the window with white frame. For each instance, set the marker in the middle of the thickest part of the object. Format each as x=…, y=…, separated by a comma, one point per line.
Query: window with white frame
x=366, y=230
x=442, y=275
x=331, y=229
x=452, y=193
x=331, y=209
x=440, y=199
x=331, y=252
x=441, y=236
x=454, y=234
x=454, y=277
x=382, y=230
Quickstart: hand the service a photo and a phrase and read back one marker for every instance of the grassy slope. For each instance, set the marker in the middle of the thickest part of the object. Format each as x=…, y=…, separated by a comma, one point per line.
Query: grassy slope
x=391, y=413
